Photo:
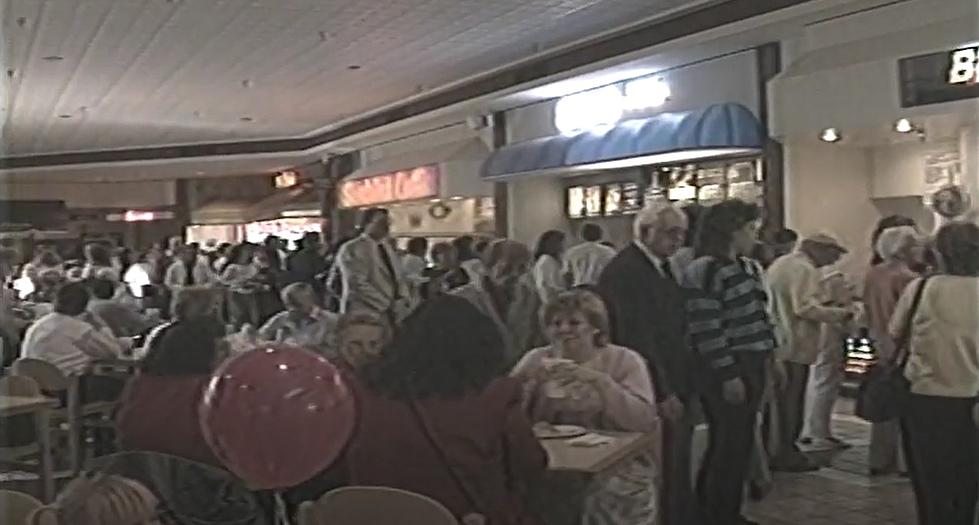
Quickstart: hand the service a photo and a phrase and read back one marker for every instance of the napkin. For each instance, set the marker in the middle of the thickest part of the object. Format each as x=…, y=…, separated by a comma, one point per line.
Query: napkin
x=590, y=440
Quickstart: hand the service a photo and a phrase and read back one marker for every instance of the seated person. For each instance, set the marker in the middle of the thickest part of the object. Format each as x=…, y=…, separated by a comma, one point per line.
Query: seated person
x=435, y=418
x=158, y=411
x=361, y=337
x=581, y=379
x=123, y=320
x=65, y=339
x=189, y=303
x=303, y=323
x=99, y=499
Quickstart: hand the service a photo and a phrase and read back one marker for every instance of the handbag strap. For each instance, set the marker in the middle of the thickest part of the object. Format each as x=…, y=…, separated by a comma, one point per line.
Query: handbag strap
x=902, y=344
x=456, y=478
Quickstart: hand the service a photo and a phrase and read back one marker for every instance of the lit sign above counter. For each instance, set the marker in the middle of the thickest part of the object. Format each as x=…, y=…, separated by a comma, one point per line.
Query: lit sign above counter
x=607, y=105
x=934, y=78
x=400, y=186
x=140, y=216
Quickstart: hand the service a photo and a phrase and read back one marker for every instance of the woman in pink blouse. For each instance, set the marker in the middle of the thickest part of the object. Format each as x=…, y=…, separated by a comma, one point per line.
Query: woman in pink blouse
x=883, y=285
x=581, y=379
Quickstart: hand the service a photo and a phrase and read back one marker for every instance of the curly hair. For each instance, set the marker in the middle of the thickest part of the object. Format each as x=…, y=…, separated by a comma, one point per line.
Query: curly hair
x=584, y=302
x=715, y=233
x=447, y=348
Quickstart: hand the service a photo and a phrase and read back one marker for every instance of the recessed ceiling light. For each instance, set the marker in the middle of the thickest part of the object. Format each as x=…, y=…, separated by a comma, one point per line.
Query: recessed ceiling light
x=246, y=83
x=246, y=119
x=903, y=126
x=353, y=67
x=830, y=135
x=53, y=58
x=64, y=115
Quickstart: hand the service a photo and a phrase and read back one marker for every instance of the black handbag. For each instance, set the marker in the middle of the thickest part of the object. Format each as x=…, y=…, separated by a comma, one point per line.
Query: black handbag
x=884, y=391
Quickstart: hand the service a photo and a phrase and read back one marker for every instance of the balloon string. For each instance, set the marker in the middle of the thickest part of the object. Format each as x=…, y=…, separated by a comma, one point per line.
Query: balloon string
x=281, y=510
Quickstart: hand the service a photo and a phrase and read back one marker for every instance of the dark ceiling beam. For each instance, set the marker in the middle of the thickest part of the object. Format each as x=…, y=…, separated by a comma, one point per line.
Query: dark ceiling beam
x=690, y=22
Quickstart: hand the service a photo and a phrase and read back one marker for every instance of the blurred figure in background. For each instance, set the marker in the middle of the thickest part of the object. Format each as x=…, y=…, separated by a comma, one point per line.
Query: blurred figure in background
x=122, y=319
x=585, y=262
x=98, y=263
x=308, y=263
x=414, y=265
x=373, y=278
x=303, y=323
x=685, y=255
x=446, y=274
x=784, y=242
x=188, y=270
x=549, y=278
x=506, y=294
x=469, y=258
x=361, y=339
x=884, y=283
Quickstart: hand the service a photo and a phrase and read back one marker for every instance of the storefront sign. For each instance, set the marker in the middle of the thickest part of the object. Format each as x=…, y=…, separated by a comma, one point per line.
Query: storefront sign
x=139, y=216
x=286, y=179
x=404, y=185
x=607, y=105
x=939, y=77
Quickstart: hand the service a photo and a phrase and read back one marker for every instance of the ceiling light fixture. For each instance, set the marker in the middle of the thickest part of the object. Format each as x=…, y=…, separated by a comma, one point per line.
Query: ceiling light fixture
x=353, y=67
x=904, y=126
x=246, y=119
x=830, y=135
x=53, y=58
x=64, y=115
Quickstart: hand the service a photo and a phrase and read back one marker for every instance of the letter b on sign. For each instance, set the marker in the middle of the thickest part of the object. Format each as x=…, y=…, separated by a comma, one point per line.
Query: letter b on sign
x=963, y=70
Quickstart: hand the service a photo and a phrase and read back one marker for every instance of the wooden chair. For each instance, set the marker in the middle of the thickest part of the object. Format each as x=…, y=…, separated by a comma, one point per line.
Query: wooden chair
x=15, y=506
x=20, y=387
x=373, y=506
x=70, y=418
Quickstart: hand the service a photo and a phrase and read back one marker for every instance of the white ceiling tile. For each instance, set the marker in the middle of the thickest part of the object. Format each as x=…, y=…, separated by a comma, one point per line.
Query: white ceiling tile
x=142, y=68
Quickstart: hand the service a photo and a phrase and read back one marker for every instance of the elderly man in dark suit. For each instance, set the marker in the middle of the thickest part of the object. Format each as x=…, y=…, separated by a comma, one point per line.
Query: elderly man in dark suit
x=646, y=305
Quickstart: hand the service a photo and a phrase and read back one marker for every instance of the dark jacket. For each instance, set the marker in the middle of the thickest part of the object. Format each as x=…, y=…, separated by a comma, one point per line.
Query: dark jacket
x=486, y=437
x=647, y=315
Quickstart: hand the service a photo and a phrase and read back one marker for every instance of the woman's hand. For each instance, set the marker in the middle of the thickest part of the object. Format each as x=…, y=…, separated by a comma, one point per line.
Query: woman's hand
x=573, y=372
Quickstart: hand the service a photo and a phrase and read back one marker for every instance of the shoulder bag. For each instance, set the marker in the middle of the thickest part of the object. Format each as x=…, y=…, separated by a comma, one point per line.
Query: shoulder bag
x=884, y=391
x=473, y=518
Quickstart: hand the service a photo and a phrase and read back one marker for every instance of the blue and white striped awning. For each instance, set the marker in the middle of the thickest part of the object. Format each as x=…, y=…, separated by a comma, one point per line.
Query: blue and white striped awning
x=720, y=130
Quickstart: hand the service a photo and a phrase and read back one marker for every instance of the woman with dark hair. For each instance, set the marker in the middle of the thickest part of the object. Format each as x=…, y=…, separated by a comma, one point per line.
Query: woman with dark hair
x=98, y=263
x=548, y=275
x=731, y=332
x=470, y=260
x=159, y=408
x=943, y=369
x=437, y=418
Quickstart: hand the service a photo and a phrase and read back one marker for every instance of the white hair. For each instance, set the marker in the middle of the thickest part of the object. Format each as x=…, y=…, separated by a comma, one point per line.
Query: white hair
x=650, y=215
x=893, y=241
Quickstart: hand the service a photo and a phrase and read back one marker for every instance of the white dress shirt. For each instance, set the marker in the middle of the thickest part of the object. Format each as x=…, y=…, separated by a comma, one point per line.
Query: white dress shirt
x=548, y=278
x=68, y=343
x=586, y=261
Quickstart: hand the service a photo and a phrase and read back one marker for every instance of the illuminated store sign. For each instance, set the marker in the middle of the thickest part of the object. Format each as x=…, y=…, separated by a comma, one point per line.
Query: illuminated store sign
x=405, y=185
x=964, y=66
x=607, y=105
x=944, y=76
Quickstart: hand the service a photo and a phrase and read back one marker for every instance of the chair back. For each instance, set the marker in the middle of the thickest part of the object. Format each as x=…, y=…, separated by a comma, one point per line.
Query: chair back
x=19, y=386
x=49, y=377
x=372, y=506
x=15, y=506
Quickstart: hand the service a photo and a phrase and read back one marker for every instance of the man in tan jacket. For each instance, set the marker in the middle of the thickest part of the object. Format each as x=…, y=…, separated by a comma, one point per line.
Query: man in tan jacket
x=798, y=312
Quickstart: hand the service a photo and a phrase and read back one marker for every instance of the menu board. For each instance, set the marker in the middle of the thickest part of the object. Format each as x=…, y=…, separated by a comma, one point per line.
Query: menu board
x=593, y=201
x=576, y=202
x=613, y=199
x=631, y=198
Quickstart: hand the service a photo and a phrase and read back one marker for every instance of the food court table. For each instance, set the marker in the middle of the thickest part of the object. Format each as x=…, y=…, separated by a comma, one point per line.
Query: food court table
x=40, y=408
x=558, y=499
x=596, y=459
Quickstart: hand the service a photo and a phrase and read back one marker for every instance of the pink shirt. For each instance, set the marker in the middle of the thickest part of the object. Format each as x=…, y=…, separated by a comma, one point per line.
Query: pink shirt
x=882, y=287
x=623, y=402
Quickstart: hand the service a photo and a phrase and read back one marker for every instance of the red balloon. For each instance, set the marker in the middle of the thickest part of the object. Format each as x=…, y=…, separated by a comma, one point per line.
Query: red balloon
x=277, y=416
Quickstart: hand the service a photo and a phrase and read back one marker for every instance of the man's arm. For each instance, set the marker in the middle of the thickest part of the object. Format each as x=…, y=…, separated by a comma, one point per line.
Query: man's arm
x=806, y=298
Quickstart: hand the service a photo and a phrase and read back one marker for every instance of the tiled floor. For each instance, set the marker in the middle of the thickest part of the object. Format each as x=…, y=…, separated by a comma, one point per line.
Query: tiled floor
x=839, y=494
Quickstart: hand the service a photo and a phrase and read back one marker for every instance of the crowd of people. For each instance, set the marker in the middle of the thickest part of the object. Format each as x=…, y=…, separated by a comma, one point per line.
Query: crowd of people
x=455, y=351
